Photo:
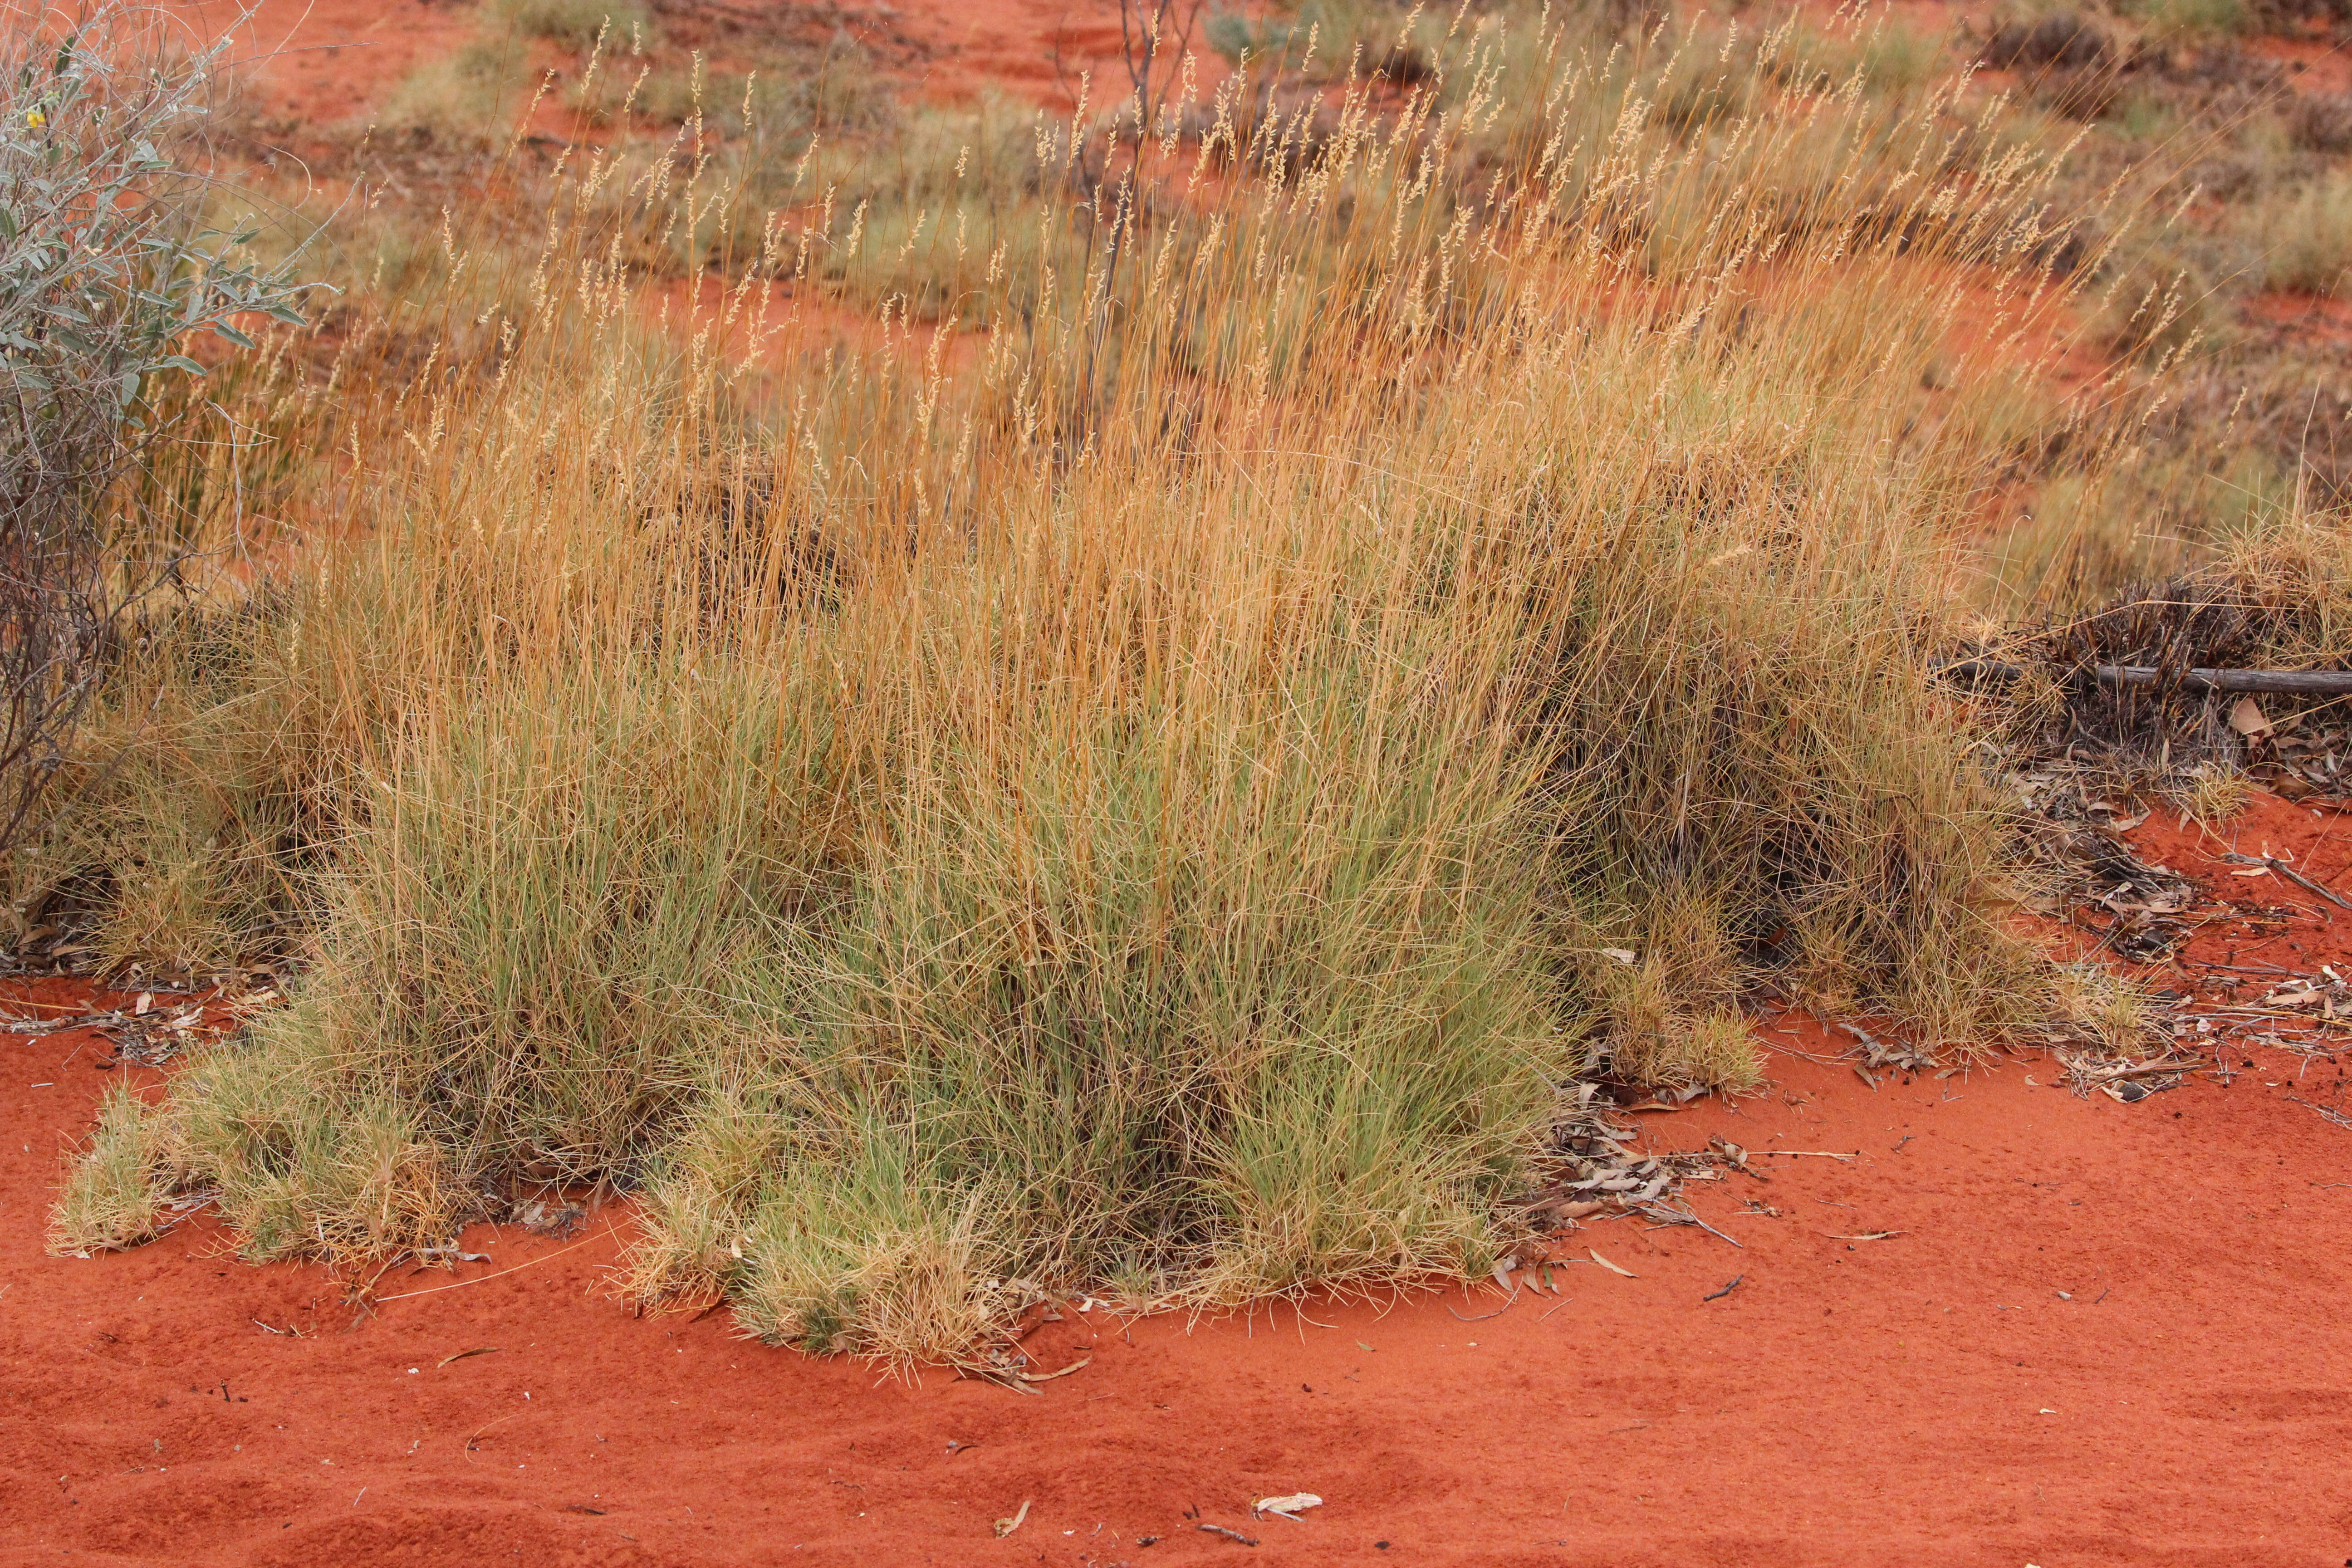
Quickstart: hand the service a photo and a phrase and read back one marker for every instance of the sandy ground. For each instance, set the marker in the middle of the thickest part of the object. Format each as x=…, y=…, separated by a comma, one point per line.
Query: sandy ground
x=2098, y=1333
x=325, y=62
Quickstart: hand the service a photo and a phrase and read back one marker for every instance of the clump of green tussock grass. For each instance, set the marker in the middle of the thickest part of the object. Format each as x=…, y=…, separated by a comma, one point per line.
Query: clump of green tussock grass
x=303, y=1163
x=468, y=99
x=115, y=1188
x=1759, y=808
x=1212, y=972
x=776, y=101
x=471, y=98
x=2170, y=20
x=2305, y=236
x=587, y=955
x=1325, y=1087
x=588, y=966
x=577, y=24
x=1137, y=798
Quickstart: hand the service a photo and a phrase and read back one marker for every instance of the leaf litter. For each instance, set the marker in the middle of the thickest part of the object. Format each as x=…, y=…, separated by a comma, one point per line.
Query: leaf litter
x=1593, y=1171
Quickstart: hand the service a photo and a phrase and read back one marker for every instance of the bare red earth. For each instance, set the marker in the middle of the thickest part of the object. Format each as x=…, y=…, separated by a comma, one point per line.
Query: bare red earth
x=327, y=62
x=2314, y=317
x=2099, y=1335
x=2315, y=64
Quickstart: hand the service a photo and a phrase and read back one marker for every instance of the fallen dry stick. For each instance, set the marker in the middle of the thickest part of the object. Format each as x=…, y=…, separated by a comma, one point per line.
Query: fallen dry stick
x=2305, y=883
x=433, y=1290
x=2146, y=1067
x=477, y=1438
x=1050, y=1376
x=2310, y=682
x=2336, y=1116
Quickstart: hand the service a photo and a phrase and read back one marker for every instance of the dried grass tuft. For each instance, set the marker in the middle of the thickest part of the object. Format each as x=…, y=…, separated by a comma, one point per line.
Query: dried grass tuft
x=2118, y=1016
x=2213, y=796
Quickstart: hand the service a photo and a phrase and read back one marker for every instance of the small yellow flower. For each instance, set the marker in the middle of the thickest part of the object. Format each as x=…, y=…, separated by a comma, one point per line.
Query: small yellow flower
x=35, y=118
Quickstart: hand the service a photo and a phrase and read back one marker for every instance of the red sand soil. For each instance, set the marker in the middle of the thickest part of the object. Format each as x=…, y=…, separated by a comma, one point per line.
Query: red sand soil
x=325, y=62
x=2098, y=1333
x=2313, y=64
x=1034, y=48
x=2309, y=317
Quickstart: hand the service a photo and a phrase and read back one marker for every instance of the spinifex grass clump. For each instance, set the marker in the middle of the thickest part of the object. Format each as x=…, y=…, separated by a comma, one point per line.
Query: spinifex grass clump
x=1184, y=1020
x=1153, y=796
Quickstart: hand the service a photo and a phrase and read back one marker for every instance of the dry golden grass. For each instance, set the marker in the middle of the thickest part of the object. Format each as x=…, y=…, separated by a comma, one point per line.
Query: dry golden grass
x=1154, y=794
